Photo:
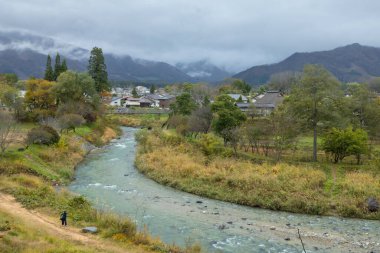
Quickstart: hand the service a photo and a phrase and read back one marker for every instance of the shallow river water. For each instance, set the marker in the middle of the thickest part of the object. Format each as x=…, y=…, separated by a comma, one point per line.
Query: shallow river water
x=109, y=179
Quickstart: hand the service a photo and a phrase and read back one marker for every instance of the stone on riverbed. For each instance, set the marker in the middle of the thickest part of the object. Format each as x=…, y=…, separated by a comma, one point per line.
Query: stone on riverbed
x=91, y=230
x=221, y=227
x=373, y=205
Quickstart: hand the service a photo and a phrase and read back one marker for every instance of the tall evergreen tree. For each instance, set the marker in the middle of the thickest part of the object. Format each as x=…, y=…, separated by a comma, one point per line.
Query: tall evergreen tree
x=63, y=66
x=49, y=74
x=152, y=89
x=98, y=70
x=57, y=66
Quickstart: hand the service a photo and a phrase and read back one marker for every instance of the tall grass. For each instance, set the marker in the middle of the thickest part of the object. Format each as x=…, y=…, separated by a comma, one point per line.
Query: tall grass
x=140, y=120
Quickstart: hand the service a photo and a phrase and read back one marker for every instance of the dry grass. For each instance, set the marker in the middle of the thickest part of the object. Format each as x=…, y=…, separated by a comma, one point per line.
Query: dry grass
x=22, y=237
x=302, y=189
x=140, y=120
x=108, y=135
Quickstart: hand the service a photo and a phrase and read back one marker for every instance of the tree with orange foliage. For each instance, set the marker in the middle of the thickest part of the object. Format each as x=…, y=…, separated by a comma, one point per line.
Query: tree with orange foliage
x=39, y=98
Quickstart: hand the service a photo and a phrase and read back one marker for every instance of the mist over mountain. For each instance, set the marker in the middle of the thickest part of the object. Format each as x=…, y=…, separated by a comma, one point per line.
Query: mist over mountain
x=14, y=40
x=203, y=71
x=352, y=63
x=25, y=54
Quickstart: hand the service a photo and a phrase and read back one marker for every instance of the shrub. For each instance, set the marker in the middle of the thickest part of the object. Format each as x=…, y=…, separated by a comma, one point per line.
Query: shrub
x=42, y=135
x=342, y=143
x=88, y=111
x=70, y=121
x=209, y=144
x=113, y=224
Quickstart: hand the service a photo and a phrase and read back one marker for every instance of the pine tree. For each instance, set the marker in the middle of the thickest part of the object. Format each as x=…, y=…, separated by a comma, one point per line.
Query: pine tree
x=57, y=66
x=63, y=66
x=98, y=70
x=49, y=74
x=152, y=89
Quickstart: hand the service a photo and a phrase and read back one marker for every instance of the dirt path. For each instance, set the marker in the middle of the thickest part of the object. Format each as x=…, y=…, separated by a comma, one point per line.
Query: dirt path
x=45, y=223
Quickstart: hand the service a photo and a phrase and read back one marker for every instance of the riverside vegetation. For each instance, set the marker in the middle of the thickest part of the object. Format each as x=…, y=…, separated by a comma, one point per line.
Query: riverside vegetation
x=30, y=176
x=206, y=168
x=271, y=161
x=43, y=136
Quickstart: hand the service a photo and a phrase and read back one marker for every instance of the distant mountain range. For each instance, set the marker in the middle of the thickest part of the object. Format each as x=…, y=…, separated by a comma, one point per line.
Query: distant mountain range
x=25, y=54
x=352, y=63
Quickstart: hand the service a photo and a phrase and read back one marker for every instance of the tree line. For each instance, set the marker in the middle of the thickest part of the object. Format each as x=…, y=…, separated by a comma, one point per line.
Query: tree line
x=344, y=116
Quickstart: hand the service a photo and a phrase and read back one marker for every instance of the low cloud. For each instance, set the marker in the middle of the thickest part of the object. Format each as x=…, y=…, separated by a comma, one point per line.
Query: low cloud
x=232, y=34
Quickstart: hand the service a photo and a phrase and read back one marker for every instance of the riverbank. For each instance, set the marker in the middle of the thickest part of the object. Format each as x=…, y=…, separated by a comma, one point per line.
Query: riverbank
x=172, y=160
x=179, y=217
x=31, y=176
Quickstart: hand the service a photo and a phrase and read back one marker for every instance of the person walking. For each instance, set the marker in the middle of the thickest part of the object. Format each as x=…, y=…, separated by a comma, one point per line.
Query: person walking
x=64, y=218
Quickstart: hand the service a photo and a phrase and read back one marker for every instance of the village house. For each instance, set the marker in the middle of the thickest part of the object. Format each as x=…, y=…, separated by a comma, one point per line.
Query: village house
x=131, y=102
x=145, y=102
x=117, y=101
x=266, y=103
x=244, y=107
x=237, y=97
x=163, y=101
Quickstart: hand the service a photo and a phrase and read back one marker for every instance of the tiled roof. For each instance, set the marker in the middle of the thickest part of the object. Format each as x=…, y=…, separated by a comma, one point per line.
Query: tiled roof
x=270, y=99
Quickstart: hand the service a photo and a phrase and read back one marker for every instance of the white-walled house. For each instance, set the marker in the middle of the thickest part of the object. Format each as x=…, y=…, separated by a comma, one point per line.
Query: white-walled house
x=237, y=96
x=116, y=101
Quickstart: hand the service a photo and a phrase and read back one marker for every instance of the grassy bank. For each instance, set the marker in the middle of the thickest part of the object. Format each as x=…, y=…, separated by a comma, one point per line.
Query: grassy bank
x=186, y=164
x=18, y=236
x=140, y=120
x=32, y=175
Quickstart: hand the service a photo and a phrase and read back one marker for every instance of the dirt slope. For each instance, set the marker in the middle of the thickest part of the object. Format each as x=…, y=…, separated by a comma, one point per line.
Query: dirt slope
x=42, y=222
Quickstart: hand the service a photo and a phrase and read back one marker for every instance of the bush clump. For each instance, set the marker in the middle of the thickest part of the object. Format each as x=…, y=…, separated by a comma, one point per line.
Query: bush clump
x=71, y=121
x=42, y=135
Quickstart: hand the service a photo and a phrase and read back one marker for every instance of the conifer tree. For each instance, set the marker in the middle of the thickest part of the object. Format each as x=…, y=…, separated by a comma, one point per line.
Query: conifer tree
x=57, y=66
x=98, y=70
x=152, y=89
x=63, y=66
x=49, y=74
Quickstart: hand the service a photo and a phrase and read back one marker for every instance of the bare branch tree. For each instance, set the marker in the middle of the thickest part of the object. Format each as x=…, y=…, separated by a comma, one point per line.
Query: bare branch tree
x=7, y=129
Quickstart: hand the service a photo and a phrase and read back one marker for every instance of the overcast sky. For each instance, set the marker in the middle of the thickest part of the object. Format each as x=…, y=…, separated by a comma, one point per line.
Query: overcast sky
x=235, y=34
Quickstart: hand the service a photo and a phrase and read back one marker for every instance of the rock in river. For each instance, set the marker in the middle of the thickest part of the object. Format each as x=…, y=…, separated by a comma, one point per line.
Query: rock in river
x=373, y=205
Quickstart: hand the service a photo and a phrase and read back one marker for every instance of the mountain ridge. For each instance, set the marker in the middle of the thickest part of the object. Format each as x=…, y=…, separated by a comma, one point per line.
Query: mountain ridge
x=25, y=54
x=350, y=63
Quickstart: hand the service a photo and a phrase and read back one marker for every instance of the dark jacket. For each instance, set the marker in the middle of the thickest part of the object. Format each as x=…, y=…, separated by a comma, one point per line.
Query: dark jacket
x=63, y=216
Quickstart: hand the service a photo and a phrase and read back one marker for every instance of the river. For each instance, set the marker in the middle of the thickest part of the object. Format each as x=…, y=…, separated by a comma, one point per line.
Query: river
x=109, y=179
